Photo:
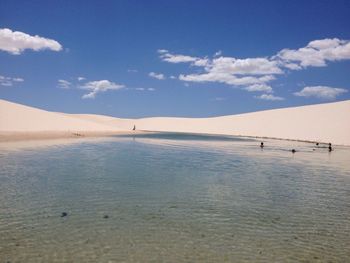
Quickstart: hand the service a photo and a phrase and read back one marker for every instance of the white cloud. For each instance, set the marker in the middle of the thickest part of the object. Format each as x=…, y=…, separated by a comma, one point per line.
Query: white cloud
x=248, y=66
x=159, y=76
x=269, y=97
x=259, y=87
x=173, y=58
x=143, y=89
x=81, y=78
x=321, y=92
x=316, y=53
x=201, y=62
x=172, y=77
x=18, y=79
x=64, y=84
x=99, y=86
x=177, y=58
x=16, y=42
x=161, y=51
x=292, y=66
x=8, y=81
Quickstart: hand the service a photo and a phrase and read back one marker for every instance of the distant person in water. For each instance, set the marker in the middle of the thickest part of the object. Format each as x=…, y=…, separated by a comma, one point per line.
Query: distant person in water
x=134, y=128
x=330, y=147
x=317, y=143
x=261, y=145
x=293, y=151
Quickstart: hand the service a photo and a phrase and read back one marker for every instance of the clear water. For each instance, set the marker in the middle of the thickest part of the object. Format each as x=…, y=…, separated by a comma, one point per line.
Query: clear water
x=175, y=198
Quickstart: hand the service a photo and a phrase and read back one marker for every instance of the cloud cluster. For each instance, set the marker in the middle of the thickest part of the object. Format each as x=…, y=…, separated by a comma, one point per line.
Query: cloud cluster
x=8, y=81
x=315, y=54
x=154, y=75
x=254, y=74
x=228, y=70
x=321, y=92
x=99, y=86
x=16, y=42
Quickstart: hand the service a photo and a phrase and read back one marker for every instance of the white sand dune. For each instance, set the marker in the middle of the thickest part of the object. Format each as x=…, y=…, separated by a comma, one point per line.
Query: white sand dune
x=20, y=118
x=329, y=122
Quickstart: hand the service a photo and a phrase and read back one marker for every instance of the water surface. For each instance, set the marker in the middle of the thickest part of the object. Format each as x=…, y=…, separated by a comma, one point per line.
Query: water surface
x=175, y=198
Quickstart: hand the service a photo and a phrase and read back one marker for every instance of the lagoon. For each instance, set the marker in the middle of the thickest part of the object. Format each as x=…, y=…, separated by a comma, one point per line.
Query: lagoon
x=170, y=197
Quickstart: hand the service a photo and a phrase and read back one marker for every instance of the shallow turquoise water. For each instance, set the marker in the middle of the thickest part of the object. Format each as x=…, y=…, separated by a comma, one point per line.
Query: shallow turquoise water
x=175, y=198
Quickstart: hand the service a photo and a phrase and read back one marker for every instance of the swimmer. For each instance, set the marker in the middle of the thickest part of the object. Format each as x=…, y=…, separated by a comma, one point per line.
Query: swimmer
x=330, y=147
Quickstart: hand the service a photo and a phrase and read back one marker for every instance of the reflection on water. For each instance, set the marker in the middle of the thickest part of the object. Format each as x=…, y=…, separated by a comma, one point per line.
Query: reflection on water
x=175, y=198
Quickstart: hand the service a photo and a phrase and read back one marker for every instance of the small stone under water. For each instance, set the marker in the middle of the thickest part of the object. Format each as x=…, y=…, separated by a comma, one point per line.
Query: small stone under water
x=106, y=216
x=64, y=214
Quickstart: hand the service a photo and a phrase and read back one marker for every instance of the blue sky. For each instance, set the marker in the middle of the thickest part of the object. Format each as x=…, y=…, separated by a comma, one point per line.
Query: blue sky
x=173, y=58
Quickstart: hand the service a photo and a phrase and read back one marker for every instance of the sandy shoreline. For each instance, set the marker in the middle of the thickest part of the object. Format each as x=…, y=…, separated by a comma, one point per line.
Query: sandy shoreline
x=9, y=137
x=51, y=135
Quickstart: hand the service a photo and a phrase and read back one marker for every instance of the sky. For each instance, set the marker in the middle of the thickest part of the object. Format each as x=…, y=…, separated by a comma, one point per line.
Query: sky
x=135, y=59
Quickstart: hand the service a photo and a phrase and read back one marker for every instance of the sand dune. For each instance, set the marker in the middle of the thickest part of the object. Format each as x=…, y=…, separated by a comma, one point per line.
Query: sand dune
x=329, y=122
x=16, y=117
x=18, y=122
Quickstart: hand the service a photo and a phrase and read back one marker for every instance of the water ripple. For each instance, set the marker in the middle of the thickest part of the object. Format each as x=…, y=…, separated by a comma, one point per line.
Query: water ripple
x=175, y=200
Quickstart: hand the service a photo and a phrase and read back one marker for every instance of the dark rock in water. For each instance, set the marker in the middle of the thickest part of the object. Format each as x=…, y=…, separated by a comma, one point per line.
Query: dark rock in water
x=64, y=214
x=106, y=216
